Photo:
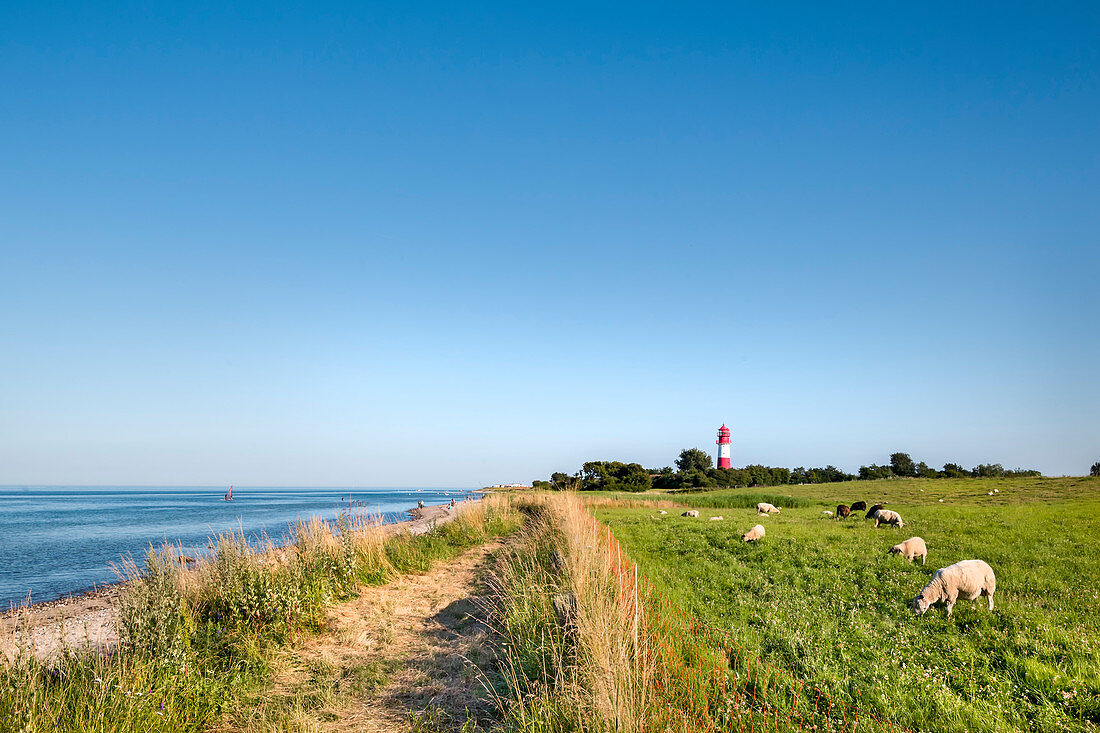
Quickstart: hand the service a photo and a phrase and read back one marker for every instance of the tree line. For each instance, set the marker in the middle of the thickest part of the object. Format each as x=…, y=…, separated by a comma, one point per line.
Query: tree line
x=695, y=470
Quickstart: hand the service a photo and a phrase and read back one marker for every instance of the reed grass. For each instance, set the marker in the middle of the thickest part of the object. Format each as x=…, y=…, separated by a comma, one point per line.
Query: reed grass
x=197, y=638
x=575, y=646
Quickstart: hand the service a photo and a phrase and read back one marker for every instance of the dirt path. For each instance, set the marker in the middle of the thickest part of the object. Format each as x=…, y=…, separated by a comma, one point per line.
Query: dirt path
x=400, y=657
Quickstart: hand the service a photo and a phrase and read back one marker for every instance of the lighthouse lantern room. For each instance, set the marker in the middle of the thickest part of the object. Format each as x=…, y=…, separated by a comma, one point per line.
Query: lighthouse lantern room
x=723, y=446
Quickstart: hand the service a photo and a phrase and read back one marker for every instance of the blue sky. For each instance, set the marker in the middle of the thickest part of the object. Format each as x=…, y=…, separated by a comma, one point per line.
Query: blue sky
x=375, y=244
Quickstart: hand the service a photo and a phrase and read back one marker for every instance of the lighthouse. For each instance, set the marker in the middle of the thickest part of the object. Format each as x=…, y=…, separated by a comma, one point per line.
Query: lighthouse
x=723, y=446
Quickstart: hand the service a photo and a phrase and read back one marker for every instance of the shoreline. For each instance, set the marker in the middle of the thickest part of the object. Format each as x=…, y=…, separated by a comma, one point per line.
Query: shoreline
x=87, y=618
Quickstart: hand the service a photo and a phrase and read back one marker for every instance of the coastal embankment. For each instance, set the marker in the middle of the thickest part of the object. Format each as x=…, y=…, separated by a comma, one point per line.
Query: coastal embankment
x=90, y=620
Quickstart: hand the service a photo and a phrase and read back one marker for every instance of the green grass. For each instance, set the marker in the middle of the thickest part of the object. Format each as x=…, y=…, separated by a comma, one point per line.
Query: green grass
x=822, y=599
x=919, y=491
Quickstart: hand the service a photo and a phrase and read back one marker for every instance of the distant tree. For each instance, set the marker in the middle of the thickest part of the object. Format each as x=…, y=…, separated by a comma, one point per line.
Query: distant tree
x=633, y=477
x=902, y=464
x=989, y=470
x=666, y=482
x=729, y=477
x=696, y=479
x=561, y=481
x=829, y=474
x=926, y=471
x=1095, y=470
x=954, y=470
x=874, y=471
x=614, y=476
x=694, y=459
x=666, y=471
x=541, y=485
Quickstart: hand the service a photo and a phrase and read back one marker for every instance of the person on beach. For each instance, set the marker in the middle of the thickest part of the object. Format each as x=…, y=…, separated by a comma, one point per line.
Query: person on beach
x=452, y=502
x=420, y=504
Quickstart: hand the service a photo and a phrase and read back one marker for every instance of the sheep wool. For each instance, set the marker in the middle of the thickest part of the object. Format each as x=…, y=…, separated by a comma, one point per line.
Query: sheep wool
x=911, y=549
x=690, y=513
x=967, y=579
x=886, y=516
x=753, y=534
x=765, y=508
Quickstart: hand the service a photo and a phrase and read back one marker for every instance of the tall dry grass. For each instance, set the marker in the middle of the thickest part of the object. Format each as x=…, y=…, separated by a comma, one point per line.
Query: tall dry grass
x=573, y=644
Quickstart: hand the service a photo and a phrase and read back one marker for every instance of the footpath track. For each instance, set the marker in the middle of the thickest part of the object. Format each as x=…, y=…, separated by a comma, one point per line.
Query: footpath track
x=400, y=656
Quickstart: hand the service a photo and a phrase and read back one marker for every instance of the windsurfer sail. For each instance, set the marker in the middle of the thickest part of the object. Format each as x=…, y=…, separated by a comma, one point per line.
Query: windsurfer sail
x=229, y=494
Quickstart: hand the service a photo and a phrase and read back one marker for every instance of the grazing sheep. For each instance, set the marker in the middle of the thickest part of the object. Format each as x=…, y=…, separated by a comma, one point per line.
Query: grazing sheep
x=690, y=513
x=858, y=506
x=753, y=534
x=827, y=513
x=885, y=516
x=842, y=511
x=766, y=508
x=871, y=512
x=910, y=549
x=716, y=519
x=662, y=512
x=969, y=579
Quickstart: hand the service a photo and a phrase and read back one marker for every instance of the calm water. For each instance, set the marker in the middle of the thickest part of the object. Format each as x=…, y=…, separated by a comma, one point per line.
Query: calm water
x=60, y=540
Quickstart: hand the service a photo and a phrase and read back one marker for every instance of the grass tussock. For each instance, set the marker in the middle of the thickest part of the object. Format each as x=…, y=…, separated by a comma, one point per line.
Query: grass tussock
x=197, y=638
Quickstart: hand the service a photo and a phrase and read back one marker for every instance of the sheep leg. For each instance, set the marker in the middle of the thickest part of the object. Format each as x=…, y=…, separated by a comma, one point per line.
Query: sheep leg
x=990, y=601
x=923, y=559
x=950, y=606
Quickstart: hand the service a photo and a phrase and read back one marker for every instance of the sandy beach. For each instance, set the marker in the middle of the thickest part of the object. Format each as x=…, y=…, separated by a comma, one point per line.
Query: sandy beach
x=90, y=619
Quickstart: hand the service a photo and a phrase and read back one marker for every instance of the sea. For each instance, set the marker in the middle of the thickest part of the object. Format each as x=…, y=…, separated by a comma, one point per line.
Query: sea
x=60, y=540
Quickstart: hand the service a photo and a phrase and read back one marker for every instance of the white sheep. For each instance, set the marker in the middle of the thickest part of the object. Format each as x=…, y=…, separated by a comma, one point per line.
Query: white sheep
x=662, y=512
x=716, y=519
x=910, y=549
x=766, y=508
x=886, y=516
x=827, y=513
x=753, y=534
x=969, y=579
x=690, y=513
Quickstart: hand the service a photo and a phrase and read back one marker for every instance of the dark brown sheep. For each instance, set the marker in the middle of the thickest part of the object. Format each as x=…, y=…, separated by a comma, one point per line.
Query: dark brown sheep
x=842, y=511
x=859, y=506
x=871, y=512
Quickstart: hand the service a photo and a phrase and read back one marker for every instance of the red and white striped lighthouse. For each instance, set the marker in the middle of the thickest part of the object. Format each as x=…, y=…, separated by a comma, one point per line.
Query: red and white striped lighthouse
x=723, y=446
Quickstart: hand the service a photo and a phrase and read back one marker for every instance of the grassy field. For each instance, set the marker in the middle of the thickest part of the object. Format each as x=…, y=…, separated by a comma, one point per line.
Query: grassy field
x=822, y=599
